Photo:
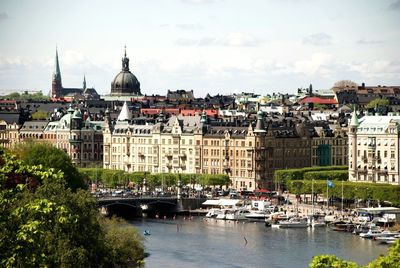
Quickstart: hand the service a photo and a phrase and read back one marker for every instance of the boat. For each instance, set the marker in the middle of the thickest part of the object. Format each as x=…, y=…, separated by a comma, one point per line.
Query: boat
x=222, y=215
x=371, y=233
x=292, y=223
x=237, y=214
x=146, y=232
x=387, y=239
x=343, y=226
x=258, y=215
x=213, y=213
x=317, y=223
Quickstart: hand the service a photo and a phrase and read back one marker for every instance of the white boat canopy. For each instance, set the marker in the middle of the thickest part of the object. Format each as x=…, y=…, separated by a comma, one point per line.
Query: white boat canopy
x=211, y=202
x=221, y=202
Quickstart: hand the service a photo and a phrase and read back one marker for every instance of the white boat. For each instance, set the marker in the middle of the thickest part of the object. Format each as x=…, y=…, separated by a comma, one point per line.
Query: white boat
x=371, y=233
x=258, y=215
x=292, y=223
x=213, y=213
x=388, y=239
x=317, y=223
x=237, y=214
x=222, y=215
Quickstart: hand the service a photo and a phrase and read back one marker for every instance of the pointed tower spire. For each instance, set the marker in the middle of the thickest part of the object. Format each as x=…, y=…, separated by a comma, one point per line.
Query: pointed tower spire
x=354, y=119
x=84, y=81
x=57, y=72
x=56, y=85
x=125, y=114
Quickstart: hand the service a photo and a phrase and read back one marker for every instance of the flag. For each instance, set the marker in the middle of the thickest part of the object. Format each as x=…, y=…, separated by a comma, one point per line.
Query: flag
x=330, y=184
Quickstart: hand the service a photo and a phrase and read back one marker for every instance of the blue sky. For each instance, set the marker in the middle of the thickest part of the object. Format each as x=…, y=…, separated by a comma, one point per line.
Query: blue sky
x=210, y=46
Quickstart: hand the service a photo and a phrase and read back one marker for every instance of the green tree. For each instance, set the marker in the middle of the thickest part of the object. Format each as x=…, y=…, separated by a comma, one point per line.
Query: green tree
x=377, y=103
x=331, y=261
x=38, y=153
x=392, y=259
x=40, y=115
x=45, y=224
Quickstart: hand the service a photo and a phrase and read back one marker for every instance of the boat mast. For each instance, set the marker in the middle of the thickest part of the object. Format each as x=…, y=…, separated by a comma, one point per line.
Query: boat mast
x=312, y=197
x=342, y=198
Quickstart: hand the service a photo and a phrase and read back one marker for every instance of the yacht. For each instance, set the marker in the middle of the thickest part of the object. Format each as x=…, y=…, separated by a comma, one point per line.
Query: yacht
x=317, y=223
x=371, y=233
x=213, y=213
x=237, y=214
x=222, y=215
x=258, y=215
x=292, y=223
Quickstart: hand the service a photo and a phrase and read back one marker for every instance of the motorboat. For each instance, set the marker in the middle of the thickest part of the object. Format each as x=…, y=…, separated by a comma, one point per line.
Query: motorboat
x=317, y=223
x=237, y=214
x=371, y=233
x=388, y=239
x=292, y=223
x=343, y=226
x=222, y=215
x=258, y=215
x=213, y=213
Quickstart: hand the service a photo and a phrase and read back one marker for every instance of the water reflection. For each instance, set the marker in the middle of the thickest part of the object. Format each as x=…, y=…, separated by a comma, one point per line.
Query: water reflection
x=217, y=243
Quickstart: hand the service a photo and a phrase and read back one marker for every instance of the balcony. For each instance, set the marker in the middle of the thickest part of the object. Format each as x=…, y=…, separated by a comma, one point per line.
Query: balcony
x=182, y=155
x=169, y=165
x=169, y=155
x=75, y=141
x=364, y=159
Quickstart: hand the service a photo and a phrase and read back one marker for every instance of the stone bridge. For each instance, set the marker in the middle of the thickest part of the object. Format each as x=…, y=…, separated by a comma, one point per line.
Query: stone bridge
x=133, y=207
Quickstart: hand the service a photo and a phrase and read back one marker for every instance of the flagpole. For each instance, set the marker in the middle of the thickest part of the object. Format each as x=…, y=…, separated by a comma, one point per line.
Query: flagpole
x=327, y=195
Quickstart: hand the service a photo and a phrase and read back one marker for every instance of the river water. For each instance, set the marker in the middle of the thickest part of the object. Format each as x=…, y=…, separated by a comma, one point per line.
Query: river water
x=200, y=243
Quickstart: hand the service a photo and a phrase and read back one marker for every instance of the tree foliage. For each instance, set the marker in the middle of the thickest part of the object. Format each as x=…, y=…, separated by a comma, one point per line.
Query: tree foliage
x=351, y=190
x=48, y=156
x=40, y=115
x=283, y=175
x=331, y=261
x=112, y=178
x=390, y=260
x=45, y=224
x=377, y=103
x=38, y=96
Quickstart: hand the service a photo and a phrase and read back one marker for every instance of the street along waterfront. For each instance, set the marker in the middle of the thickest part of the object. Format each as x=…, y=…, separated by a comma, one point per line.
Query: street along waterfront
x=197, y=242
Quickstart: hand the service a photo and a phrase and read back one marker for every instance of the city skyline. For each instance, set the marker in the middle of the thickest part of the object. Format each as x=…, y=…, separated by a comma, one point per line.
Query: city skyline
x=210, y=46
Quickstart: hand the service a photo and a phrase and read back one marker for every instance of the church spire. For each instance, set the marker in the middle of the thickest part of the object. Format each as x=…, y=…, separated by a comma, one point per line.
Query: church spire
x=57, y=72
x=84, y=81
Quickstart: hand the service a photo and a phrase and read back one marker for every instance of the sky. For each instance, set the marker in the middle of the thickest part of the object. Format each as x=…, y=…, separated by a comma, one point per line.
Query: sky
x=208, y=46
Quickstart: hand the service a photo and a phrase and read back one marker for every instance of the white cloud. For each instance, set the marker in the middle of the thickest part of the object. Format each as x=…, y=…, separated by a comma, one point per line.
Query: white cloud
x=236, y=39
x=364, y=41
x=198, y=1
x=318, y=39
x=239, y=39
x=318, y=63
x=189, y=26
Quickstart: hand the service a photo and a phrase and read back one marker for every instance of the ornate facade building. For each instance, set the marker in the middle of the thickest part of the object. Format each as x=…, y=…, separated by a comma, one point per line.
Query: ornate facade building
x=374, y=149
x=81, y=139
x=249, y=154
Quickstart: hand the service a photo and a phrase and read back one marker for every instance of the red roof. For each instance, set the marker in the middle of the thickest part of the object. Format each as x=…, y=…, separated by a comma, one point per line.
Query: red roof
x=317, y=100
